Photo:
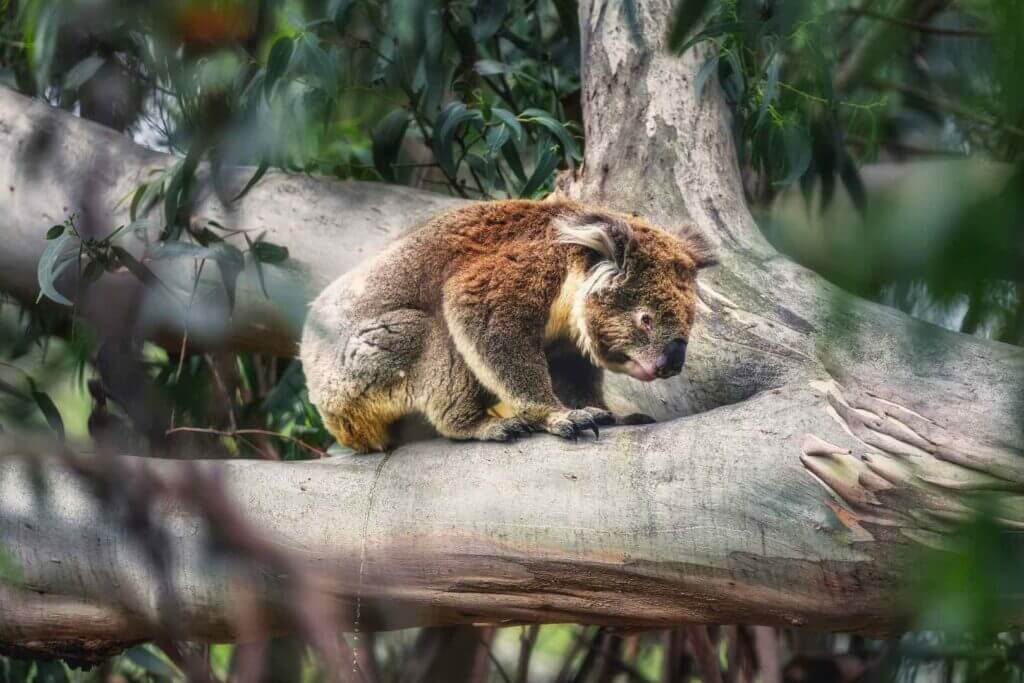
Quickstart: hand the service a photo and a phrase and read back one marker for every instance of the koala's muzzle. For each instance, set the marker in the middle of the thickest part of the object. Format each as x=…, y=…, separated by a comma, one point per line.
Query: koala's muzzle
x=670, y=361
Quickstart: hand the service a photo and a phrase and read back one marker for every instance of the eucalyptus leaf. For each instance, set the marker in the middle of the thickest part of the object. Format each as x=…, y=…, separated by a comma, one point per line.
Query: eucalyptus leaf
x=700, y=82
x=77, y=76
x=277, y=63
x=49, y=410
x=510, y=120
x=146, y=658
x=265, y=252
x=261, y=170
x=496, y=138
x=489, y=16
x=135, y=267
x=12, y=391
x=338, y=11
x=491, y=67
x=798, y=153
x=685, y=20
x=448, y=121
x=52, y=671
x=511, y=154
x=850, y=176
x=54, y=260
x=771, y=88
x=542, y=118
x=546, y=165
x=387, y=139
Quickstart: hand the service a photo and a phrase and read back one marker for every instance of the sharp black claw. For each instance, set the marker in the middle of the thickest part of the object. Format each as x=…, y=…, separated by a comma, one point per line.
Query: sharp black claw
x=597, y=432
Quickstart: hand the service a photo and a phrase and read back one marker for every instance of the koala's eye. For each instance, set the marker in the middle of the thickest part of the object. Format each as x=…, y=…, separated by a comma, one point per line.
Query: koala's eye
x=644, y=321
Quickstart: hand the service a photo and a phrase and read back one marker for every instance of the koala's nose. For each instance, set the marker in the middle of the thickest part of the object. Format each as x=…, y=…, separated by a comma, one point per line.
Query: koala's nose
x=670, y=362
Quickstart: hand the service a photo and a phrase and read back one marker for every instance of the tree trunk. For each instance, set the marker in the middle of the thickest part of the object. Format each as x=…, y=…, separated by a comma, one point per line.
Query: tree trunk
x=826, y=439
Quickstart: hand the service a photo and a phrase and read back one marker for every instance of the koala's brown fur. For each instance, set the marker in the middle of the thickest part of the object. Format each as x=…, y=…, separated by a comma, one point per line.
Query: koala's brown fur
x=456, y=321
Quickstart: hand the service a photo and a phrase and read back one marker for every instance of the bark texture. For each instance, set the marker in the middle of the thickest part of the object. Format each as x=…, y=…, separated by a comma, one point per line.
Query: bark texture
x=826, y=439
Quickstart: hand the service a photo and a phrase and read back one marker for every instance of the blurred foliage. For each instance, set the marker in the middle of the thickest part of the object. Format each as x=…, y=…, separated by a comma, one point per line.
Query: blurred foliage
x=821, y=88
x=481, y=99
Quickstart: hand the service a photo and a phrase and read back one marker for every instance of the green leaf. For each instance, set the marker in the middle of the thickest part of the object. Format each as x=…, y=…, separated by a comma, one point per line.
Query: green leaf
x=265, y=252
x=445, y=126
x=92, y=272
x=485, y=168
x=146, y=658
x=50, y=412
x=12, y=391
x=701, y=81
x=387, y=139
x=850, y=176
x=771, y=89
x=496, y=138
x=542, y=118
x=54, y=260
x=172, y=201
x=133, y=208
x=52, y=671
x=230, y=263
x=510, y=120
x=135, y=267
x=545, y=167
x=55, y=232
x=713, y=31
x=511, y=154
x=798, y=153
x=338, y=11
x=321, y=65
x=277, y=63
x=685, y=20
x=489, y=16
x=44, y=42
x=261, y=170
x=491, y=67
x=82, y=72
x=172, y=250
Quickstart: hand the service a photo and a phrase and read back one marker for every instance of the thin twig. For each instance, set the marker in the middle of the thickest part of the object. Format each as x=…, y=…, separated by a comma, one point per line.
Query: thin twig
x=918, y=26
x=234, y=433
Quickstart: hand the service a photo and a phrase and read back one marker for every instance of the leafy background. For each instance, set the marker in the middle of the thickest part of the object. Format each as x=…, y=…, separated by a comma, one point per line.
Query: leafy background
x=880, y=143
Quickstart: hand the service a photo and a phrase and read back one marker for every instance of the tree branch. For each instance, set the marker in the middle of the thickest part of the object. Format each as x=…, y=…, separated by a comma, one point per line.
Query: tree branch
x=824, y=445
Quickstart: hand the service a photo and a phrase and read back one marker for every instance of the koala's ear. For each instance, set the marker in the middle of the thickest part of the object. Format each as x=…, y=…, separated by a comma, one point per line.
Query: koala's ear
x=698, y=247
x=609, y=236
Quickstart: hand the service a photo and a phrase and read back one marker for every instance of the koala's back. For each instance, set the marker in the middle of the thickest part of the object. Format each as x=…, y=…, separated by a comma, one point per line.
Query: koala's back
x=412, y=272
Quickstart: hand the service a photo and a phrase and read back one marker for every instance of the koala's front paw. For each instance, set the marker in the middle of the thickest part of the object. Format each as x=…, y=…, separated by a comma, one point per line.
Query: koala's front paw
x=568, y=424
x=504, y=429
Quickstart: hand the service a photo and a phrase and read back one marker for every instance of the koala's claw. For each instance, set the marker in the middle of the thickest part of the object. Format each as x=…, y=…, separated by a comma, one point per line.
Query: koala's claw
x=570, y=424
x=505, y=429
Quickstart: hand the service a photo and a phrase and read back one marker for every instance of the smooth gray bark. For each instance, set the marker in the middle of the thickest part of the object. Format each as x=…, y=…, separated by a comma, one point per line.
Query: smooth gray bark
x=827, y=440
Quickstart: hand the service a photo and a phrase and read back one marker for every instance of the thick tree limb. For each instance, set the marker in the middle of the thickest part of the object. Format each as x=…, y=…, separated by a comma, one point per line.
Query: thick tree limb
x=832, y=439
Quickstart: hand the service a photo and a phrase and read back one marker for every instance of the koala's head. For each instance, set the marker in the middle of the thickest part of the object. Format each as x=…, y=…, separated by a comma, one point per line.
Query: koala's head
x=634, y=310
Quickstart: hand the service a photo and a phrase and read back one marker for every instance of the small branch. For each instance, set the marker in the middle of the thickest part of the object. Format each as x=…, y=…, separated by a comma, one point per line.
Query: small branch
x=949, y=106
x=706, y=654
x=236, y=433
x=526, y=642
x=918, y=26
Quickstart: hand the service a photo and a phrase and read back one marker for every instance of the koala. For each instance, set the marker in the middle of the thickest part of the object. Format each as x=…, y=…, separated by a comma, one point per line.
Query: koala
x=462, y=320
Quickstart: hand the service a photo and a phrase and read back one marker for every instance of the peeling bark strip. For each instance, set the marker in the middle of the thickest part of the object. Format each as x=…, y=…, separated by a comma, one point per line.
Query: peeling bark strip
x=825, y=433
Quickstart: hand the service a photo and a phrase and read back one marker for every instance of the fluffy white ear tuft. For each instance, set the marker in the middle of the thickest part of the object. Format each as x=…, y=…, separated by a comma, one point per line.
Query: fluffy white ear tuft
x=608, y=236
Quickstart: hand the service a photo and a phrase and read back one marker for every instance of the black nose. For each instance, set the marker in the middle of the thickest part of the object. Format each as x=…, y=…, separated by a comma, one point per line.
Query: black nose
x=670, y=362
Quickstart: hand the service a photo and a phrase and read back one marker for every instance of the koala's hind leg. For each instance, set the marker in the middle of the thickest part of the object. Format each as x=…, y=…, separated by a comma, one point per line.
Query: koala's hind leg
x=358, y=375
x=454, y=400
